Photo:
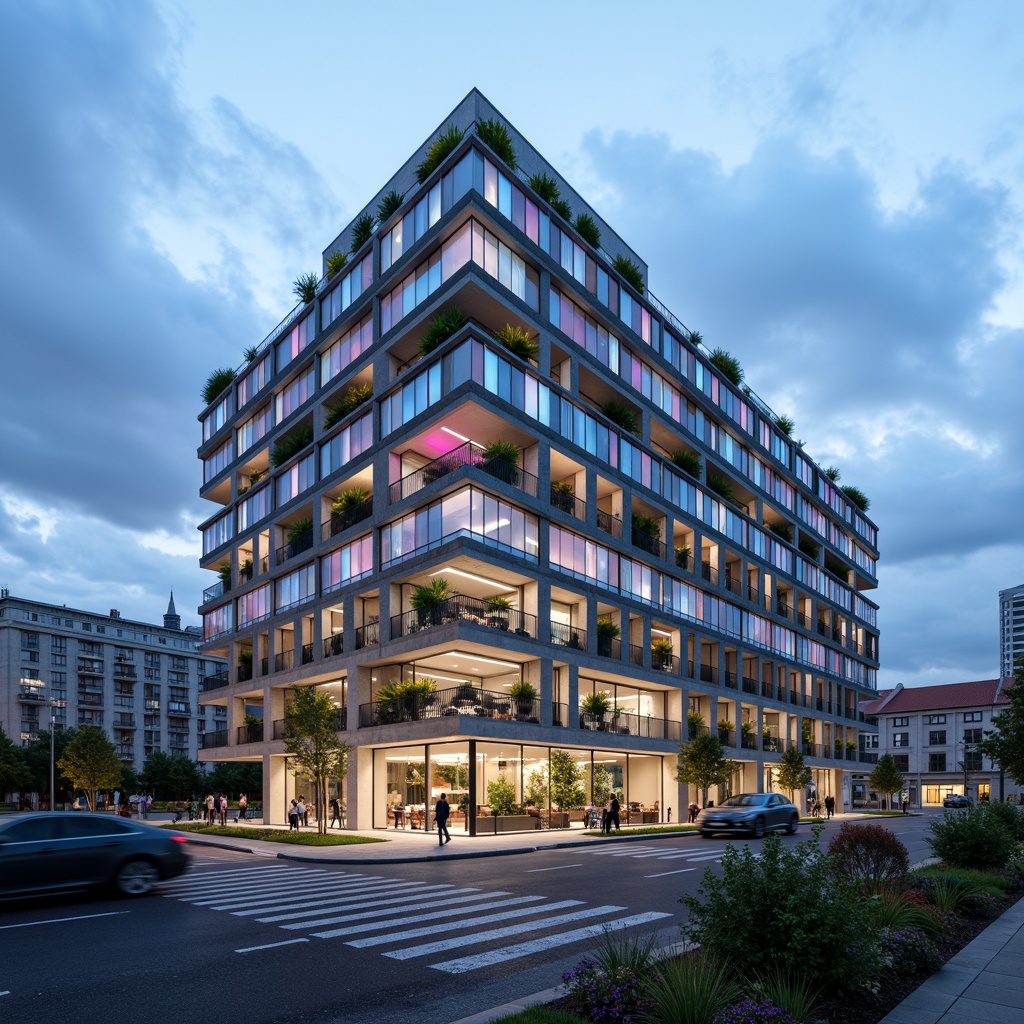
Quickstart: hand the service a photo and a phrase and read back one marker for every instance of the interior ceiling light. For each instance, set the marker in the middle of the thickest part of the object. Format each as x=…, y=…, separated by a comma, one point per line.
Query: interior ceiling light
x=488, y=661
x=448, y=430
x=660, y=632
x=470, y=576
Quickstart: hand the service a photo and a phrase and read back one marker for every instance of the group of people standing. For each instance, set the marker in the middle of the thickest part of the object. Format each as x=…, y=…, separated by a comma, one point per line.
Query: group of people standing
x=298, y=814
x=217, y=808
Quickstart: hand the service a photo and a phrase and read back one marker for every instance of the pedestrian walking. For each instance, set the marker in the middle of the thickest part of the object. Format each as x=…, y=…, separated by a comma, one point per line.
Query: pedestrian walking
x=335, y=813
x=606, y=815
x=243, y=803
x=693, y=809
x=211, y=814
x=293, y=817
x=441, y=812
x=830, y=806
x=613, y=814
x=300, y=809
x=222, y=806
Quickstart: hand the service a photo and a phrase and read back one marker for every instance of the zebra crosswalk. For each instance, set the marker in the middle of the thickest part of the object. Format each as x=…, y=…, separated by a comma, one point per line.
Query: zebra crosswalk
x=370, y=911
x=654, y=851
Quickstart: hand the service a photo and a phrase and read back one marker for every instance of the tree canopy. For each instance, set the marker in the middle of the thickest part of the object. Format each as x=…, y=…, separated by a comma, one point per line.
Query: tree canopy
x=792, y=774
x=311, y=741
x=171, y=776
x=14, y=773
x=90, y=762
x=1005, y=746
x=566, y=776
x=886, y=777
x=702, y=763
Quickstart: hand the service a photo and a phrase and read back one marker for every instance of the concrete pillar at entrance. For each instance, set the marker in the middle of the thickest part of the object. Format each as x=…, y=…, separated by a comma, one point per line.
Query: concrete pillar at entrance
x=359, y=786
x=277, y=791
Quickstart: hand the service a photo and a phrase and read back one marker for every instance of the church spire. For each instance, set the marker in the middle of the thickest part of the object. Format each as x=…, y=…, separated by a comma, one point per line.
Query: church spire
x=172, y=620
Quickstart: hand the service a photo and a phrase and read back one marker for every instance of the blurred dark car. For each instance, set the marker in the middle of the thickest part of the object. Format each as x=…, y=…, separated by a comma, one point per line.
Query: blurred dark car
x=63, y=851
x=753, y=813
x=956, y=800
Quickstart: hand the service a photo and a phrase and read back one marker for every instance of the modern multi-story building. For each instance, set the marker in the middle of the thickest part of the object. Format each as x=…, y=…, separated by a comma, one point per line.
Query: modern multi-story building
x=932, y=733
x=1011, y=630
x=589, y=541
x=136, y=681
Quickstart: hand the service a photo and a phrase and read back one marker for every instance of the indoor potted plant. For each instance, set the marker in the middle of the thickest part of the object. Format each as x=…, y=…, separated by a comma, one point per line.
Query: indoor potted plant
x=524, y=694
x=428, y=599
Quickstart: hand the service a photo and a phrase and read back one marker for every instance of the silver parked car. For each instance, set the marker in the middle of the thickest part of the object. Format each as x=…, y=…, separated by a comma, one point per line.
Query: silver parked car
x=64, y=851
x=753, y=813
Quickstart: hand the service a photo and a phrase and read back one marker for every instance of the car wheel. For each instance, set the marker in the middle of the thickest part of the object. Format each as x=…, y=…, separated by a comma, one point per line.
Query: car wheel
x=759, y=827
x=706, y=834
x=136, y=878
x=792, y=826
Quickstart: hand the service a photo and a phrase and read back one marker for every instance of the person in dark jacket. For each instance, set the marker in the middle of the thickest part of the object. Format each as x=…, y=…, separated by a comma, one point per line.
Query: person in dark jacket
x=441, y=812
x=613, y=814
x=830, y=805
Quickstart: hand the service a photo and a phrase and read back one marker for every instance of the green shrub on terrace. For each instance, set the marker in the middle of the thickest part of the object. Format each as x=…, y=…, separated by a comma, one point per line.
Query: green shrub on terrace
x=629, y=272
x=587, y=229
x=440, y=148
x=494, y=133
x=216, y=383
x=441, y=328
x=362, y=231
x=389, y=205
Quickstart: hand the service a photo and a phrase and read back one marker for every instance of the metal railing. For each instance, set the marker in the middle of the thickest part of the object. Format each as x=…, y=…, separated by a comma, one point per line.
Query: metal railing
x=649, y=543
x=469, y=454
x=459, y=700
x=307, y=653
x=284, y=660
x=567, y=502
x=609, y=647
x=748, y=741
x=773, y=744
x=217, y=738
x=750, y=685
x=662, y=662
x=334, y=645
x=220, y=587
x=708, y=674
x=341, y=521
x=368, y=635
x=568, y=636
x=636, y=654
x=609, y=524
x=245, y=671
x=250, y=733
x=460, y=608
x=627, y=723
x=303, y=542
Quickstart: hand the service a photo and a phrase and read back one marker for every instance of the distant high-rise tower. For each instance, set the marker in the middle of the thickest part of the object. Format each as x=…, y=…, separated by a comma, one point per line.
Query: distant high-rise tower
x=172, y=620
x=1011, y=629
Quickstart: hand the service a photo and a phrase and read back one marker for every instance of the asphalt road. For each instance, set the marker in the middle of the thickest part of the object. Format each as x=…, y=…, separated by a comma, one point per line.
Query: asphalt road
x=255, y=940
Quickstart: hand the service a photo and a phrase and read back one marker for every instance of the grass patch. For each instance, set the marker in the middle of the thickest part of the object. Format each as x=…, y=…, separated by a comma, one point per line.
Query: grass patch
x=651, y=830
x=271, y=835
x=539, y=1015
x=986, y=881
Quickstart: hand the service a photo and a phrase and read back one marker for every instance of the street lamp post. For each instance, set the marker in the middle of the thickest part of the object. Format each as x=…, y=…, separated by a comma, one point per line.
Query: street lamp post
x=54, y=704
x=963, y=765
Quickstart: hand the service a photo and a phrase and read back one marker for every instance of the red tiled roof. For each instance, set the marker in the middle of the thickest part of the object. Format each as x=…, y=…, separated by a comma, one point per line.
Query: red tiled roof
x=944, y=695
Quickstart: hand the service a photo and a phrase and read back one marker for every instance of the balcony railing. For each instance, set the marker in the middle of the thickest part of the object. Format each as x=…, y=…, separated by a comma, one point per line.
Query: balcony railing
x=245, y=573
x=568, y=636
x=732, y=584
x=664, y=662
x=245, y=671
x=652, y=545
x=307, y=653
x=220, y=587
x=217, y=738
x=750, y=685
x=708, y=572
x=284, y=660
x=727, y=737
x=748, y=741
x=773, y=744
x=342, y=521
x=215, y=681
x=460, y=608
x=460, y=700
x=303, y=542
x=250, y=733
x=368, y=635
x=179, y=709
x=629, y=724
x=869, y=757
x=709, y=674
x=568, y=503
x=636, y=654
x=264, y=666
x=32, y=695
x=609, y=647
x=609, y=524
x=334, y=645
x=468, y=454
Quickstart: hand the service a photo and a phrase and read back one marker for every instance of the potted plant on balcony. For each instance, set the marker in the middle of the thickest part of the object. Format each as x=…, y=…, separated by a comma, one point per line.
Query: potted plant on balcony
x=224, y=572
x=253, y=725
x=607, y=631
x=428, y=599
x=595, y=706
x=245, y=663
x=724, y=729
x=563, y=496
x=646, y=533
x=298, y=533
x=245, y=570
x=524, y=694
x=661, y=654
x=497, y=611
x=501, y=460
x=343, y=504
x=747, y=728
x=694, y=722
x=683, y=556
x=405, y=699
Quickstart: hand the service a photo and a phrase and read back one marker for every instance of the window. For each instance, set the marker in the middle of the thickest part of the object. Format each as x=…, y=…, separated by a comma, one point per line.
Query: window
x=869, y=741
x=972, y=716
x=901, y=739
x=347, y=564
x=937, y=738
x=972, y=735
x=936, y=762
x=296, y=587
x=58, y=644
x=934, y=719
x=898, y=723
x=902, y=762
x=972, y=760
x=30, y=641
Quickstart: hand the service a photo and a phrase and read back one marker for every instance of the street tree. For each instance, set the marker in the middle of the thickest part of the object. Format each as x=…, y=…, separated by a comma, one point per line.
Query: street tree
x=171, y=776
x=233, y=778
x=91, y=764
x=14, y=773
x=312, y=744
x=1005, y=746
x=886, y=778
x=566, y=776
x=37, y=760
x=702, y=763
x=793, y=774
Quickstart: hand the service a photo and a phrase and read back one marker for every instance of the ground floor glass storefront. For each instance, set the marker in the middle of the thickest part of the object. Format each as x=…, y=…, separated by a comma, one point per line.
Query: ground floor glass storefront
x=505, y=787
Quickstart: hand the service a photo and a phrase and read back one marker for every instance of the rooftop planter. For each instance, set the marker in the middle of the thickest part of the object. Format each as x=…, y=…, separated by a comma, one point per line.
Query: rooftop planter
x=441, y=328
x=494, y=134
x=629, y=272
x=304, y=287
x=518, y=342
x=292, y=443
x=216, y=383
x=427, y=599
x=362, y=231
x=727, y=365
x=444, y=144
x=336, y=263
x=547, y=188
x=586, y=227
x=389, y=205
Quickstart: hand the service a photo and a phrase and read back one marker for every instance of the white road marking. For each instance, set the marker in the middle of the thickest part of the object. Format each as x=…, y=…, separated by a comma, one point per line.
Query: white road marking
x=270, y=945
x=282, y=895
x=471, y=963
x=681, y=871
x=61, y=920
x=388, y=908
x=486, y=936
x=333, y=906
x=561, y=867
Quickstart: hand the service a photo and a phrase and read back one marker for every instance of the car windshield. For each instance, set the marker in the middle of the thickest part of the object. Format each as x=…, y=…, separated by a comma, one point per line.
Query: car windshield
x=745, y=800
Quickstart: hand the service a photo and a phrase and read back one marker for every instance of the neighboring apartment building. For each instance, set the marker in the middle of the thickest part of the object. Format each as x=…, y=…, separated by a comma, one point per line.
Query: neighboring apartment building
x=136, y=681
x=1011, y=630
x=932, y=733
x=660, y=549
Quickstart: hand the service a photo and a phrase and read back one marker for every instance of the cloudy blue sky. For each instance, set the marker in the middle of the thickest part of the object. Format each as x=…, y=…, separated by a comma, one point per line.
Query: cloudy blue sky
x=832, y=192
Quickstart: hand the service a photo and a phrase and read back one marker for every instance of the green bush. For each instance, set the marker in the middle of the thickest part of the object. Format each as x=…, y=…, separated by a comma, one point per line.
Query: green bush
x=869, y=854
x=545, y=186
x=389, y=205
x=692, y=989
x=336, y=262
x=909, y=951
x=445, y=143
x=857, y=496
x=587, y=229
x=362, y=230
x=622, y=414
x=441, y=328
x=562, y=208
x=1010, y=818
x=288, y=446
x=629, y=272
x=494, y=133
x=902, y=910
x=783, y=905
x=304, y=286
x=518, y=341
x=688, y=462
x=972, y=838
x=216, y=383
